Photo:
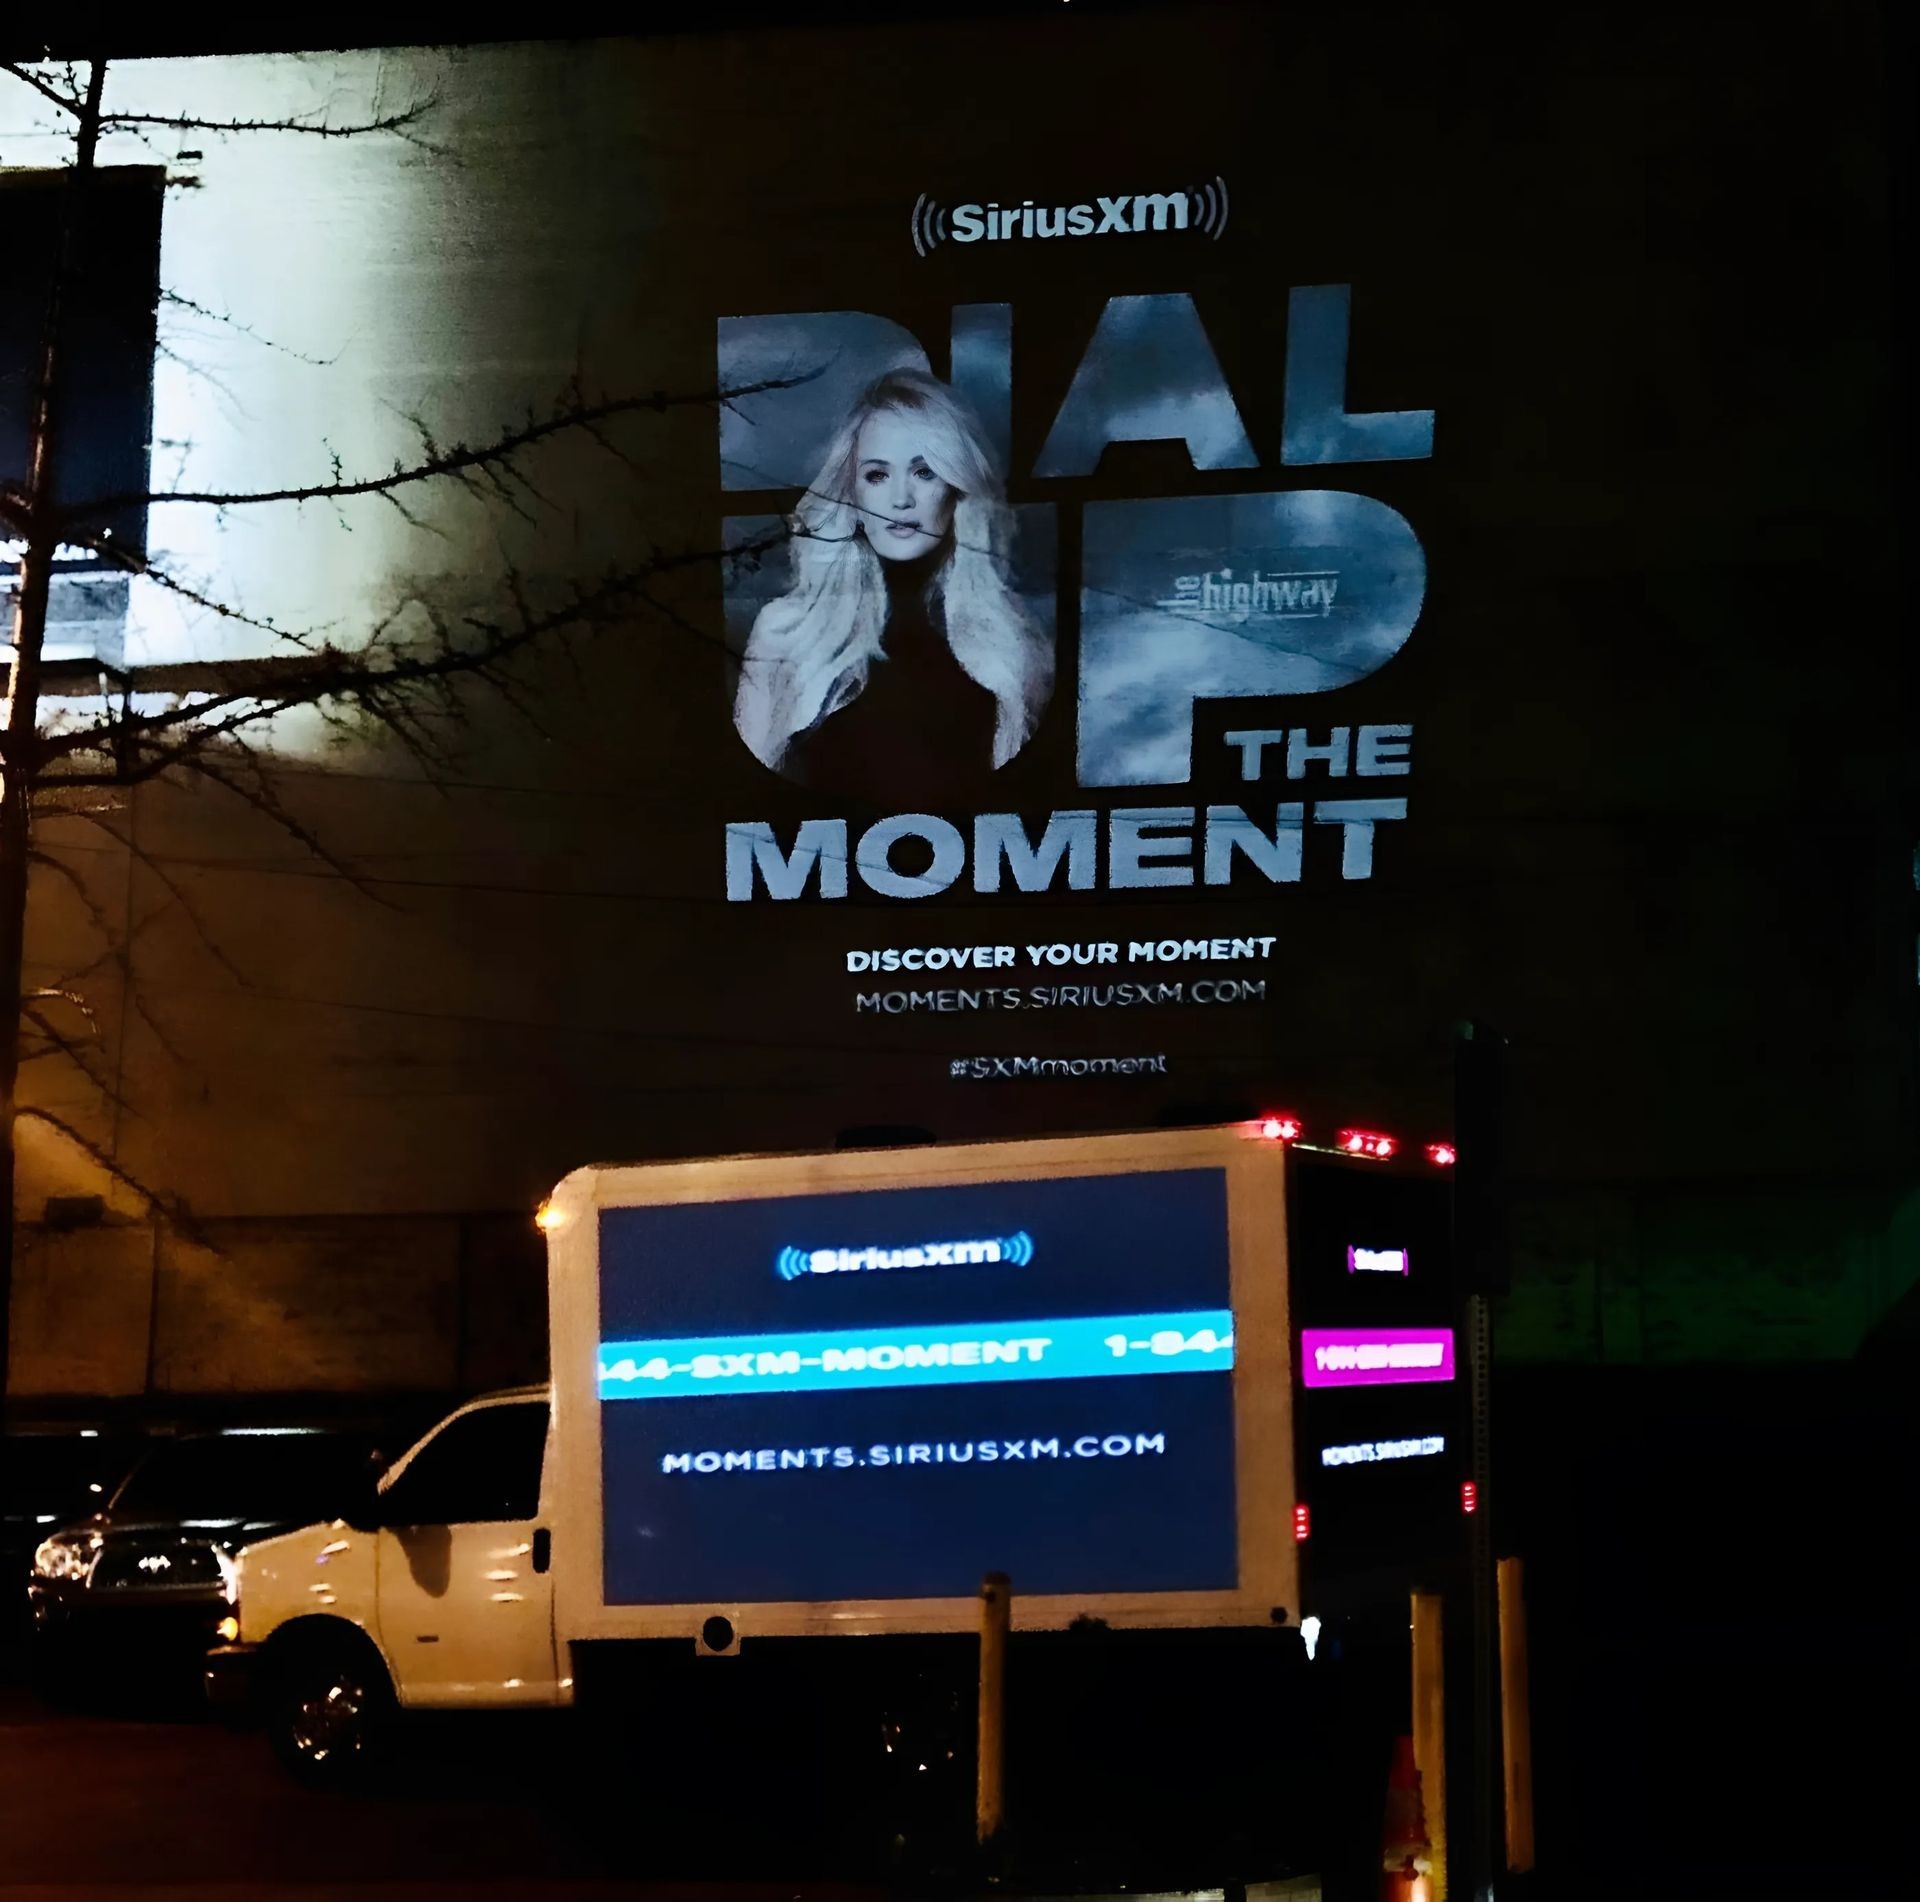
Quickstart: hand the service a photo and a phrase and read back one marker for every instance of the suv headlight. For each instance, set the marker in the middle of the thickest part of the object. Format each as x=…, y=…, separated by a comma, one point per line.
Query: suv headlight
x=67, y=1556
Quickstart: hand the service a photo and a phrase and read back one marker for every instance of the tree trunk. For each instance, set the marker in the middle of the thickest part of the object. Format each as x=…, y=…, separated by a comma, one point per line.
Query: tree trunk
x=19, y=759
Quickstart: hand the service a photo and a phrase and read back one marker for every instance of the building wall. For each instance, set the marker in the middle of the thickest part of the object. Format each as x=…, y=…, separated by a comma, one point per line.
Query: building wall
x=1665, y=842
x=313, y=1307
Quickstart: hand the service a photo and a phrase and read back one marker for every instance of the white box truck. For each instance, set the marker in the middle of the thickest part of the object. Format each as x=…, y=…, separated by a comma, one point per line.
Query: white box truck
x=820, y=1397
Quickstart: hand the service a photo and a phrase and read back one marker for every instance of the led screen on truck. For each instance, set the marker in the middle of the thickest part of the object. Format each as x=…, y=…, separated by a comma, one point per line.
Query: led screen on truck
x=886, y=1394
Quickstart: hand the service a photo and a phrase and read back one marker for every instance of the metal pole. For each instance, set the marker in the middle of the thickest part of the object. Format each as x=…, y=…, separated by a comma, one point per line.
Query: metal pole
x=1482, y=1849
x=990, y=1791
x=1516, y=1716
x=1430, y=1728
x=1481, y=1249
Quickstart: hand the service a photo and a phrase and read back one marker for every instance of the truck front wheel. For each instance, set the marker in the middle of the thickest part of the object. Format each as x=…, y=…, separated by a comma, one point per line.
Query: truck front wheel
x=328, y=1707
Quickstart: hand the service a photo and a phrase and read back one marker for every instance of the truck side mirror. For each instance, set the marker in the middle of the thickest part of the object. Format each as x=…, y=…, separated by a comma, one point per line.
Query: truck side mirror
x=361, y=1509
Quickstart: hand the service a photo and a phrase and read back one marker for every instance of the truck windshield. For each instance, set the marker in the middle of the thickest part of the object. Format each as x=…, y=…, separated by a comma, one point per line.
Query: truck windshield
x=290, y=1477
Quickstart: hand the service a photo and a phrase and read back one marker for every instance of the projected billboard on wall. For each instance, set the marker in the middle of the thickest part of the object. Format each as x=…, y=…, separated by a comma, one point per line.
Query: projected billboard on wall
x=1063, y=629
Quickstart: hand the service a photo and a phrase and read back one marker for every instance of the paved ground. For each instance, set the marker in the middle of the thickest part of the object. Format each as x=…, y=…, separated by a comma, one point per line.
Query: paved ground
x=1722, y=1671
x=148, y=1800
x=154, y=1801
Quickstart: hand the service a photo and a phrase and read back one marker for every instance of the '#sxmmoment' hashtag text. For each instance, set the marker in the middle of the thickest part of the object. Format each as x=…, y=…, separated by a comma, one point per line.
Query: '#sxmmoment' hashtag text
x=991, y=1069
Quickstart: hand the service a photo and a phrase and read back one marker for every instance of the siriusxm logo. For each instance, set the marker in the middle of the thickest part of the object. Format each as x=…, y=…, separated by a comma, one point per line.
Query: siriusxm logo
x=792, y=1263
x=1203, y=210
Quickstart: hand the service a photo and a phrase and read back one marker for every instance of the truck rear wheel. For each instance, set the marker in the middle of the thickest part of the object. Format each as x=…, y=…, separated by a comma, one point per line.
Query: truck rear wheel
x=328, y=1708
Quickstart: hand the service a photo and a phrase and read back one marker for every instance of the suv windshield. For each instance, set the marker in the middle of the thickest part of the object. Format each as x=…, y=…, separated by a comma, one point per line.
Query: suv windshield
x=289, y=1477
x=54, y=1474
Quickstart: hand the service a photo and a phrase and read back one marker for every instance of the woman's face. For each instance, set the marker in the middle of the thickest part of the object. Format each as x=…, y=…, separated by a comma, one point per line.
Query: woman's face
x=904, y=507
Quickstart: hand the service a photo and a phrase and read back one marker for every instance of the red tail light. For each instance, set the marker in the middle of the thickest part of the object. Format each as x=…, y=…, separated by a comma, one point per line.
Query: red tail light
x=1469, y=1497
x=1279, y=1129
x=1302, y=1523
x=1444, y=1155
x=1367, y=1142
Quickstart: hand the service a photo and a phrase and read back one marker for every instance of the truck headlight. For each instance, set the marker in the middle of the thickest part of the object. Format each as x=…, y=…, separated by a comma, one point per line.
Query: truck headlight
x=67, y=1556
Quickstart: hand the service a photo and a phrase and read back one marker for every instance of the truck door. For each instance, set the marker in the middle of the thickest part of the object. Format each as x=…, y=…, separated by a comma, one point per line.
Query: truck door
x=465, y=1595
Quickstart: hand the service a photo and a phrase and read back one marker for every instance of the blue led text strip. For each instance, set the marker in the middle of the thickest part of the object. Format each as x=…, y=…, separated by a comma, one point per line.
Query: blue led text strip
x=1082, y=1348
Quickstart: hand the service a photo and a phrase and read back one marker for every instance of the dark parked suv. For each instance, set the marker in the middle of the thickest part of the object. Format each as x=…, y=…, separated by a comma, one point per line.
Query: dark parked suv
x=146, y=1580
x=50, y=1474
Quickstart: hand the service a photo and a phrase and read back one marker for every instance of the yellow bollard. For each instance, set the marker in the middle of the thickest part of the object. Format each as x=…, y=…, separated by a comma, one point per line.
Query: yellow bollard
x=990, y=1792
x=1430, y=1729
x=1516, y=1716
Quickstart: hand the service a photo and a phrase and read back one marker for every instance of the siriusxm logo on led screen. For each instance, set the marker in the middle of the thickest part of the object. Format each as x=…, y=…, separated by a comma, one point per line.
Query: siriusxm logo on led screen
x=792, y=1263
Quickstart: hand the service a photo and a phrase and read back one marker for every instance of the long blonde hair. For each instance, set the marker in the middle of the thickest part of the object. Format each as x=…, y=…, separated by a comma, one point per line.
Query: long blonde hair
x=810, y=651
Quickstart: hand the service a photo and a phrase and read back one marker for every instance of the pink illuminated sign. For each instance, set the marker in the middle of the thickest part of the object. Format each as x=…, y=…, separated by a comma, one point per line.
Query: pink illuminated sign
x=1374, y=1356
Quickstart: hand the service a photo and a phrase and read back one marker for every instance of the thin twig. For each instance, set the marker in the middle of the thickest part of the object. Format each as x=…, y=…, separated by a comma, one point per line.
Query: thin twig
x=159, y=1203
x=490, y=459
x=72, y=103
x=400, y=122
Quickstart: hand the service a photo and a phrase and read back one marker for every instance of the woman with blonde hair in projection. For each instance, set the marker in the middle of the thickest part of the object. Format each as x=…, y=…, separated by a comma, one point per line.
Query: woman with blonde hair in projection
x=900, y=666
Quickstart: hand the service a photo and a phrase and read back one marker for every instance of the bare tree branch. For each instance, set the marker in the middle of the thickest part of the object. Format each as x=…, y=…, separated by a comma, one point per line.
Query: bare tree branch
x=71, y=103
x=119, y=951
x=253, y=787
x=493, y=461
x=131, y=563
x=59, y=1044
x=158, y=1203
x=151, y=863
x=393, y=686
x=400, y=123
x=43, y=860
x=229, y=321
x=310, y=125
x=59, y=993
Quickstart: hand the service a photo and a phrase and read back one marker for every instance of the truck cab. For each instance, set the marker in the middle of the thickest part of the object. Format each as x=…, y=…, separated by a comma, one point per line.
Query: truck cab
x=435, y=1593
